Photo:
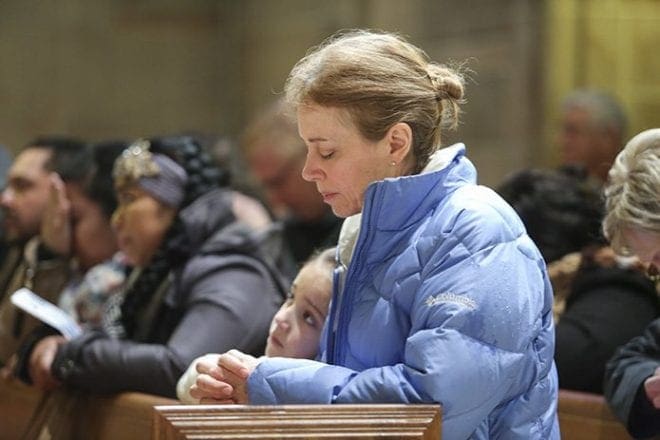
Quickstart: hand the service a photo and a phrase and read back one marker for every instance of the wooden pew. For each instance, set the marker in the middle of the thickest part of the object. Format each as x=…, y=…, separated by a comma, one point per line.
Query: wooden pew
x=297, y=421
x=131, y=415
x=582, y=416
x=17, y=403
x=122, y=416
x=586, y=416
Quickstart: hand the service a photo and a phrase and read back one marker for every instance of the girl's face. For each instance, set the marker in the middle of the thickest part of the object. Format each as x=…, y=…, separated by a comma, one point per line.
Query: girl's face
x=340, y=160
x=296, y=328
x=94, y=240
x=644, y=244
x=141, y=222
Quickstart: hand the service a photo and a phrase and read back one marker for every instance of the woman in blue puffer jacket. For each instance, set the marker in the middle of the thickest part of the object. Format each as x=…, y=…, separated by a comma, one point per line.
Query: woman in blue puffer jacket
x=439, y=295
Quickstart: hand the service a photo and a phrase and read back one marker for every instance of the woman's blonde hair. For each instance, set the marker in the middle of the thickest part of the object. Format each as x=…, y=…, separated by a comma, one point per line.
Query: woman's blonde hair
x=632, y=193
x=380, y=79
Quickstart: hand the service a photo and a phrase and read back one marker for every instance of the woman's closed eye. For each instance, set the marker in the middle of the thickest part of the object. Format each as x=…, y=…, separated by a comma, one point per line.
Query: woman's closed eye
x=327, y=155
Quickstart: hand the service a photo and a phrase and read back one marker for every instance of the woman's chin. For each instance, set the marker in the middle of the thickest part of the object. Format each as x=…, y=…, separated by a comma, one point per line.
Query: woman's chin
x=343, y=211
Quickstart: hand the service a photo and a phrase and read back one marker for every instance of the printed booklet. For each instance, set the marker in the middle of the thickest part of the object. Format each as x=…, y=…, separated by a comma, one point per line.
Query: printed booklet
x=47, y=312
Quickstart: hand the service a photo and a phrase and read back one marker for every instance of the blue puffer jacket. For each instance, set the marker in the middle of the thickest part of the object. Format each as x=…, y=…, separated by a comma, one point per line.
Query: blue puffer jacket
x=446, y=300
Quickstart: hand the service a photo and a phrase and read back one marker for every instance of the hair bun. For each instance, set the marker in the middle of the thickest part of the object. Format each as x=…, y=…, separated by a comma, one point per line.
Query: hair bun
x=446, y=82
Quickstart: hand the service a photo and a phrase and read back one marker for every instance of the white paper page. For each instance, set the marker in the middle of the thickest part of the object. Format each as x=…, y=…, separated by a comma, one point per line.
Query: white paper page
x=47, y=312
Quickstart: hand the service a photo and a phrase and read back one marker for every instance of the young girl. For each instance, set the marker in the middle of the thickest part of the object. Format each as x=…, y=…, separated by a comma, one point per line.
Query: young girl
x=296, y=327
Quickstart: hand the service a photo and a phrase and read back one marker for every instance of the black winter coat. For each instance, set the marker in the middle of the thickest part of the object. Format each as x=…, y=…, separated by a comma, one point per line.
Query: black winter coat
x=220, y=298
x=606, y=308
x=624, y=382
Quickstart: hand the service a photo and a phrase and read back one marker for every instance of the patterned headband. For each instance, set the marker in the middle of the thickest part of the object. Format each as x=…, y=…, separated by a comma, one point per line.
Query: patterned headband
x=157, y=174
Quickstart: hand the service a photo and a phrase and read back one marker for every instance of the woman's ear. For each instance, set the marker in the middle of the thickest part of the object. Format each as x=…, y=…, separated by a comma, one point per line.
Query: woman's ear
x=400, y=139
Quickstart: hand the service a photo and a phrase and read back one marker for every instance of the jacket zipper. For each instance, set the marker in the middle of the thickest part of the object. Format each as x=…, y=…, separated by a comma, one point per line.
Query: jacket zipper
x=335, y=352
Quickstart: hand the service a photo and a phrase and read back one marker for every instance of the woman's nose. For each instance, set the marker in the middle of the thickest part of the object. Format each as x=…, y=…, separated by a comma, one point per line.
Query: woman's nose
x=311, y=172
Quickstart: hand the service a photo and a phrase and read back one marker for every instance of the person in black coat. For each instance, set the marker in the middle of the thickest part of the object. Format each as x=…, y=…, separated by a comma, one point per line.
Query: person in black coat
x=203, y=281
x=601, y=300
x=632, y=224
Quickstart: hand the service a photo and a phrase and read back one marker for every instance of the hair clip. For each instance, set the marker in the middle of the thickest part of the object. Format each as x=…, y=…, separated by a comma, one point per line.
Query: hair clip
x=135, y=162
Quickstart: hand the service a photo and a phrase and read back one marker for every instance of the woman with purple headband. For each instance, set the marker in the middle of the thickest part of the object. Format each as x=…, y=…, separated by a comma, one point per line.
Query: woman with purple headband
x=203, y=281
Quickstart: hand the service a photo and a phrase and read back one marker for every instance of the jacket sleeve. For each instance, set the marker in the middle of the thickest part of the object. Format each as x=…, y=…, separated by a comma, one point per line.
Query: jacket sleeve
x=461, y=351
x=46, y=276
x=219, y=315
x=625, y=374
x=598, y=319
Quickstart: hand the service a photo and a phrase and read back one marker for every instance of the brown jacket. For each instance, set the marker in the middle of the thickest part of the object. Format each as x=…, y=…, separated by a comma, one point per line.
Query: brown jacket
x=22, y=268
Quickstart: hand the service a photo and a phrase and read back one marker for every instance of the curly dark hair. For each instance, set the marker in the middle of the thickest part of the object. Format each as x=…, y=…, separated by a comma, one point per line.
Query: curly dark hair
x=97, y=184
x=203, y=176
x=70, y=157
x=561, y=209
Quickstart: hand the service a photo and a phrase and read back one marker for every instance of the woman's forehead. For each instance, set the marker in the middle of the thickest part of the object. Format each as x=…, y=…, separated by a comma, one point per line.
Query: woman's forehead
x=642, y=243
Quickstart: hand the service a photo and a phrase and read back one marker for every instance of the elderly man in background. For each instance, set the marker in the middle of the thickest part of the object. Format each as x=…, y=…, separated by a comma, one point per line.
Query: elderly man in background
x=592, y=132
x=275, y=155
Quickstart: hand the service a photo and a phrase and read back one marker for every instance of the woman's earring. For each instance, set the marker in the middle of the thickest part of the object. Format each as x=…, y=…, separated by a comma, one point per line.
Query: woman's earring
x=393, y=164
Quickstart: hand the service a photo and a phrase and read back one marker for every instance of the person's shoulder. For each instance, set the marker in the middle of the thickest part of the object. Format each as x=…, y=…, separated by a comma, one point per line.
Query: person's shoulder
x=478, y=200
x=214, y=259
x=220, y=277
x=477, y=214
x=235, y=251
x=653, y=330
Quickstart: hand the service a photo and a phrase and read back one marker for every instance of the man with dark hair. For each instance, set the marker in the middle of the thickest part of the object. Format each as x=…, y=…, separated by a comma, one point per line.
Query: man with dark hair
x=28, y=182
x=23, y=201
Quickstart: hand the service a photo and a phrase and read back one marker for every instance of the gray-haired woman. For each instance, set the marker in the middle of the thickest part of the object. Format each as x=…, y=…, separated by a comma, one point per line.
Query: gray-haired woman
x=632, y=224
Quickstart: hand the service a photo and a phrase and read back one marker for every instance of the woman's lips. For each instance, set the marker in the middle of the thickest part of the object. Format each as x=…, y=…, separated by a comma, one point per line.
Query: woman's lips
x=327, y=197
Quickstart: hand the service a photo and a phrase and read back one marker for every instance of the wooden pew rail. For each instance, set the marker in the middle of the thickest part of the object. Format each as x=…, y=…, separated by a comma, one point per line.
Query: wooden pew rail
x=122, y=416
x=297, y=421
x=140, y=416
x=586, y=416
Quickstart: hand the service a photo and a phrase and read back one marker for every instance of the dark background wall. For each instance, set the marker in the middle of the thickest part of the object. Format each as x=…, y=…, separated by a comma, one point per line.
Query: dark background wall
x=128, y=68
